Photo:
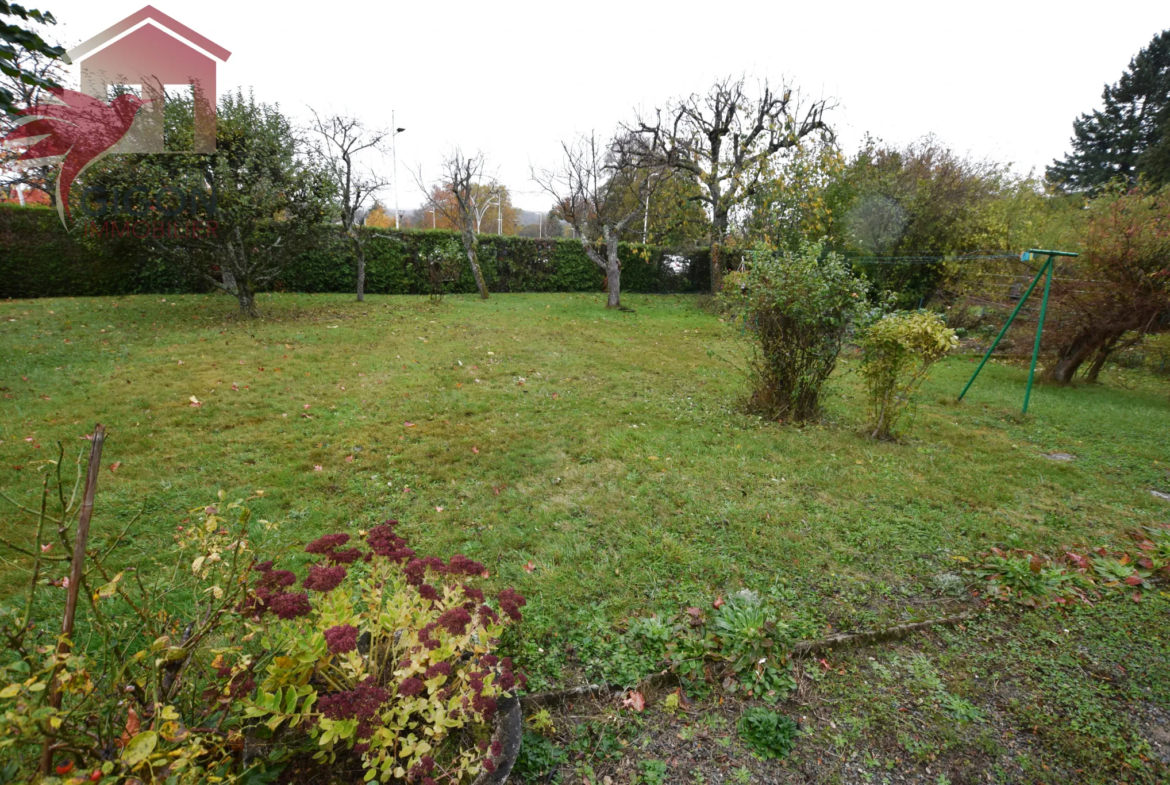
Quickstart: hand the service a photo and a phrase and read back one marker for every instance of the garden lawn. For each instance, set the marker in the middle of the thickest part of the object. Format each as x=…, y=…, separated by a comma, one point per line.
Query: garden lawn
x=598, y=461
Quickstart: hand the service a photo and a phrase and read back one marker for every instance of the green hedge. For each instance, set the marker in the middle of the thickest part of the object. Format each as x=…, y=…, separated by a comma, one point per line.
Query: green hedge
x=38, y=258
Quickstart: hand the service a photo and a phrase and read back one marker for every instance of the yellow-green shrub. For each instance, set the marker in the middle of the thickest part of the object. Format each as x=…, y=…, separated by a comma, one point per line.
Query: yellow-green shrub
x=896, y=354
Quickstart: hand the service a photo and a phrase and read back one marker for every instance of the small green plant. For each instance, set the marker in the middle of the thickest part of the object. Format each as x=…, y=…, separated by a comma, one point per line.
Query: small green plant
x=755, y=645
x=742, y=775
x=1028, y=578
x=541, y=722
x=742, y=644
x=653, y=772
x=768, y=733
x=896, y=354
x=537, y=759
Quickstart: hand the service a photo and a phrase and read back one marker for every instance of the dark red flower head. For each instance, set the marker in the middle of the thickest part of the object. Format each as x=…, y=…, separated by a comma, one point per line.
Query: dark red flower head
x=438, y=669
x=341, y=638
x=277, y=578
x=384, y=542
x=461, y=565
x=410, y=687
x=455, y=621
x=362, y=702
x=511, y=603
x=327, y=543
x=290, y=606
x=345, y=557
x=324, y=578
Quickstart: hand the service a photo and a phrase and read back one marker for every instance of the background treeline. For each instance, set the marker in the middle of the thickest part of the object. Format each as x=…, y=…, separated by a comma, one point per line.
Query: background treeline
x=38, y=258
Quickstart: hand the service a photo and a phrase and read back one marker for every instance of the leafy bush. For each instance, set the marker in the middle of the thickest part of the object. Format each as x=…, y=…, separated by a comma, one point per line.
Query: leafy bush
x=378, y=660
x=896, y=354
x=769, y=734
x=390, y=660
x=797, y=309
x=149, y=685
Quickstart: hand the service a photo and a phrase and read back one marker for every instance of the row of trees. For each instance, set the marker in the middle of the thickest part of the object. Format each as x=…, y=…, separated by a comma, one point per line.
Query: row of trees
x=738, y=165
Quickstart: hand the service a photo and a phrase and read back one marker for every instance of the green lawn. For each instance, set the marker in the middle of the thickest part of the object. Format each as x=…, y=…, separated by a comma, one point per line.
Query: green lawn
x=597, y=461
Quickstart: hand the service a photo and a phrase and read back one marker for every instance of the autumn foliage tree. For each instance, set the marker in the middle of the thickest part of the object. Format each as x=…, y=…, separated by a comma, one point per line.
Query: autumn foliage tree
x=1119, y=289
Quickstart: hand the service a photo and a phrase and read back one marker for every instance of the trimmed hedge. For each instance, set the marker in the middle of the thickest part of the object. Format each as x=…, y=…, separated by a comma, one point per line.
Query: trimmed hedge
x=38, y=258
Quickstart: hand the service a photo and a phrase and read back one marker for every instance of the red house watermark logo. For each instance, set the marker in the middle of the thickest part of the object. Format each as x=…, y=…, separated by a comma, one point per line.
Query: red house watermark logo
x=125, y=74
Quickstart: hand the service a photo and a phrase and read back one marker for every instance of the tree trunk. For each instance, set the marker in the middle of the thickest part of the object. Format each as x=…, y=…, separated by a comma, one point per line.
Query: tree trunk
x=1073, y=356
x=716, y=269
x=719, y=226
x=470, y=243
x=1098, y=363
x=229, y=280
x=360, y=255
x=613, y=271
x=247, y=300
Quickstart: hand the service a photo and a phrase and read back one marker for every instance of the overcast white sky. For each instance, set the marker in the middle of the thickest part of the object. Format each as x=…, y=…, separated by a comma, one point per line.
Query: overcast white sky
x=993, y=79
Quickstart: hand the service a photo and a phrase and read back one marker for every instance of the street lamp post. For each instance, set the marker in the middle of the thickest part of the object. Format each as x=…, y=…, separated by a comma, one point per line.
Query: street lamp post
x=646, y=215
x=394, y=151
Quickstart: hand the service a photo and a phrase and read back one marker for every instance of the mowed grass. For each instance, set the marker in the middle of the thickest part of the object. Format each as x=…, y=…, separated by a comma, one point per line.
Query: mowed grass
x=592, y=459
x=601, y=463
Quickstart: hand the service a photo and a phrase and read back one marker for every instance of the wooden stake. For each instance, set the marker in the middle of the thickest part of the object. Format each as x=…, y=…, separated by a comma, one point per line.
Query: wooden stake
x=76, y=575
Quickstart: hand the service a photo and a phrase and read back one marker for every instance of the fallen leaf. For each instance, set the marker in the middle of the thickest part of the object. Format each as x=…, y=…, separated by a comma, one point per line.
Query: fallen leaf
x=529, y=567
x=408, y=424
x=195, y=402
x=349, y=459
x=115, y=466
x=634, y=700
x=317, y=467
x=475, y=450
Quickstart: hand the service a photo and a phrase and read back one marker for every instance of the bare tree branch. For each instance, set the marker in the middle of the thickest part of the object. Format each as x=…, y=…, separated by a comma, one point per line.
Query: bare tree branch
x=339, y=145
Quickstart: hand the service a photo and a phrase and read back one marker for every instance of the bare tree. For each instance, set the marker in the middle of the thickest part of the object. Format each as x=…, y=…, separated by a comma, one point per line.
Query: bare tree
x=461, y=175
x=589, y=188
x=341, y=141
x=721, y=141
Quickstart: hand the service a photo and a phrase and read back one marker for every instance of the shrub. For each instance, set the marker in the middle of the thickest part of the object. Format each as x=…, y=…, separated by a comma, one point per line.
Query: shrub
x=896, y=354
x=147, y=689
x=385, y=656
x=770, y=735
x=797, y=309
